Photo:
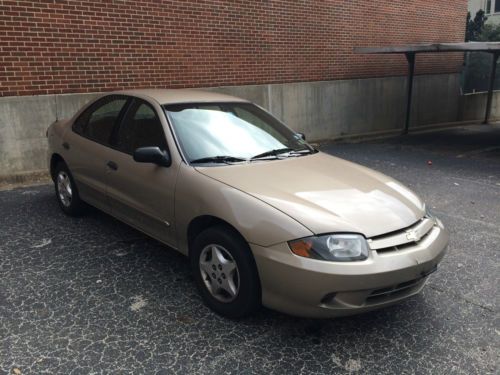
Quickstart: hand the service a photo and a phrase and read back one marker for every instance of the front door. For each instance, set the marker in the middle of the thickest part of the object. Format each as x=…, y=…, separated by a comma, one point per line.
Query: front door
x=142, y=194
x=88, y=145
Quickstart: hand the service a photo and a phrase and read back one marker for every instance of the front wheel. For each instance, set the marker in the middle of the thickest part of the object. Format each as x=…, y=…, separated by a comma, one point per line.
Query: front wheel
x=66, y=191
x=225, y=273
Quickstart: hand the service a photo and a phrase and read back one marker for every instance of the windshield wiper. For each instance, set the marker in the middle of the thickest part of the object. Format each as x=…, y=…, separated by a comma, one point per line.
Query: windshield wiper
x=219, y=159
x=280, y=151
x=304, y=151
x=275, y=152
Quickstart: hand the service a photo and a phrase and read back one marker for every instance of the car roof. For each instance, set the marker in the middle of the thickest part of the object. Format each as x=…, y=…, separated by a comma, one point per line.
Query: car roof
x=176, y=96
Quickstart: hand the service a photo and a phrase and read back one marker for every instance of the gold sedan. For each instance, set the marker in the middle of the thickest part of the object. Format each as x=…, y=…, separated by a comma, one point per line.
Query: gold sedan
x=263, y=216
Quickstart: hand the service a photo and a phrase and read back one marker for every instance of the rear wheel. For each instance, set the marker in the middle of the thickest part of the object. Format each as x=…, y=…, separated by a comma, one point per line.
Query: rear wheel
x=225, y=273
x=66, y=191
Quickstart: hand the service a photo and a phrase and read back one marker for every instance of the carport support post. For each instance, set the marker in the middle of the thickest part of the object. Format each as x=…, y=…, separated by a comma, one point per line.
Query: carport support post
x=410, y=57
x=490, y=89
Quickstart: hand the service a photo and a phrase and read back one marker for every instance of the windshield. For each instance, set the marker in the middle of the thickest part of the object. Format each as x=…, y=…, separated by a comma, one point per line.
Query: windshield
x=230, y=131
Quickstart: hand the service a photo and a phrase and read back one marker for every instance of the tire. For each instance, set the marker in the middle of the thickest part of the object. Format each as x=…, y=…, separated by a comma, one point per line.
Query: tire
x=66, y=191
x=232, y=294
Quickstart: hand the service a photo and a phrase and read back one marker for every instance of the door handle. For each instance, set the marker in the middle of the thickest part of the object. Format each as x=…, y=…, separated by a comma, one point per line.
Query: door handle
x=66, y=145
x=112, y=165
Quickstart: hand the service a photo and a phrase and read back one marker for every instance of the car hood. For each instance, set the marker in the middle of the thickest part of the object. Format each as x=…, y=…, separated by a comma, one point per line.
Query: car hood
x=326, y=194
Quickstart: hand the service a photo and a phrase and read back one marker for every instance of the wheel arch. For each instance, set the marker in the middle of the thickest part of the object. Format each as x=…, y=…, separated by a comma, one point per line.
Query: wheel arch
x=54, y=160
x=203, y=222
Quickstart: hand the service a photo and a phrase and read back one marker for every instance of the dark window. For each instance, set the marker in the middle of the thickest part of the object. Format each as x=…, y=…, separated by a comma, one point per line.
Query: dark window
x=497, y=6
x=81, y=121
x=97, y=122
x=140, y=128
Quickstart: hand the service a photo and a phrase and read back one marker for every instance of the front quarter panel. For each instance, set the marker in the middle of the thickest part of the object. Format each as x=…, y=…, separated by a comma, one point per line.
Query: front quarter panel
x=55, y=138
x=258, y=222
x=57, y=133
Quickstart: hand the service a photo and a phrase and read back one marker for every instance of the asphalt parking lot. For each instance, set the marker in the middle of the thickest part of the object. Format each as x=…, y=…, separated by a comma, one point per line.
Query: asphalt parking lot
x=91, y=295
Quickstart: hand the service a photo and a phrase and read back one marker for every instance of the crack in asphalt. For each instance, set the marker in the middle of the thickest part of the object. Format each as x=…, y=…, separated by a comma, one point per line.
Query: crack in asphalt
x=463, y=298
x=464, y=218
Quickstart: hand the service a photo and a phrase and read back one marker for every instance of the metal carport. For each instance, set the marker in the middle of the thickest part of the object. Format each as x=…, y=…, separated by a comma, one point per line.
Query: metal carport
x=411, y=50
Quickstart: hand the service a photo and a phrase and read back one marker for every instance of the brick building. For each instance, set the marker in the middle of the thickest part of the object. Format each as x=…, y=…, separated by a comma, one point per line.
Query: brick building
x=57, y=46
x=294, y=57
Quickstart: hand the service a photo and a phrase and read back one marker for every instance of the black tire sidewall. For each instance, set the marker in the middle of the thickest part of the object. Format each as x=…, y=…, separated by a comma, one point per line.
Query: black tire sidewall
x=76, y=207
x=248, y=299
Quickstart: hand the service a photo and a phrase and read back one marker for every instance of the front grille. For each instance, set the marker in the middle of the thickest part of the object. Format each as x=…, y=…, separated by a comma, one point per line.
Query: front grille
x=378, y=296
x=403, y=239
x=393, y=292
x=403, y=246
x=398, y=290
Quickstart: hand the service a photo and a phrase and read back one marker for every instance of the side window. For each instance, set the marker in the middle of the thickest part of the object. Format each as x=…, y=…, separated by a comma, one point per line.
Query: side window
x=98, y=121
x=81, y=121
x=141, y=128
x=101, y=121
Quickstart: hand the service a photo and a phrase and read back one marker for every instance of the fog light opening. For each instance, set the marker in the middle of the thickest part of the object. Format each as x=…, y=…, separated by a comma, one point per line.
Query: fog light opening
x=328, y=299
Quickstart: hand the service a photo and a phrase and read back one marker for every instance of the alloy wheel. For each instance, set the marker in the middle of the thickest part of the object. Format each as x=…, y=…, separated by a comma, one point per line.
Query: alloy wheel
x=64, y=189
x=219, y=272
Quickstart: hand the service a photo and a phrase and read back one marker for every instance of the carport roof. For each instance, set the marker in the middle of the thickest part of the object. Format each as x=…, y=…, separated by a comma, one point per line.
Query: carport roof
x=433, y=47
x=411, y=50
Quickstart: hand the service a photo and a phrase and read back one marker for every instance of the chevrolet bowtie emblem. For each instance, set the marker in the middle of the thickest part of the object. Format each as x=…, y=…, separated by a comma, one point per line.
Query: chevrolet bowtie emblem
x=412, y=235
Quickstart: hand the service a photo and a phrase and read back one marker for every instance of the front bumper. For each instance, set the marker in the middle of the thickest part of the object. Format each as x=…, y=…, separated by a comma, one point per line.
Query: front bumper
x=320, y=289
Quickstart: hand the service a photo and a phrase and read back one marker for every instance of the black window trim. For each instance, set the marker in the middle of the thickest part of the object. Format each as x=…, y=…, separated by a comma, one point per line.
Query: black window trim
x=94, y=106
x=119, y=121
x=119, y=124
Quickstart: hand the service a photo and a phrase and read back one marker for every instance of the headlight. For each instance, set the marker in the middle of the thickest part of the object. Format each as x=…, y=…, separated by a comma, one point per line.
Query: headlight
x=332, y=247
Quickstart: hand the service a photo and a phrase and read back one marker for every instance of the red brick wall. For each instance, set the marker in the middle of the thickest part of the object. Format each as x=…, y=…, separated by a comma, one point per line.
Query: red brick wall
x=61, y=46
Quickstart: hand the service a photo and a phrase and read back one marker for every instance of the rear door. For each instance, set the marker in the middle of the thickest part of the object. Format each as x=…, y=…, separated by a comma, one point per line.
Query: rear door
x=88, y=146
x=142, y=194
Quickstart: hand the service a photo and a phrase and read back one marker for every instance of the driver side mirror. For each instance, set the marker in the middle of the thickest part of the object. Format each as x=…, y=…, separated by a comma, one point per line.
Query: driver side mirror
x=302, y=135
x=152, y=155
